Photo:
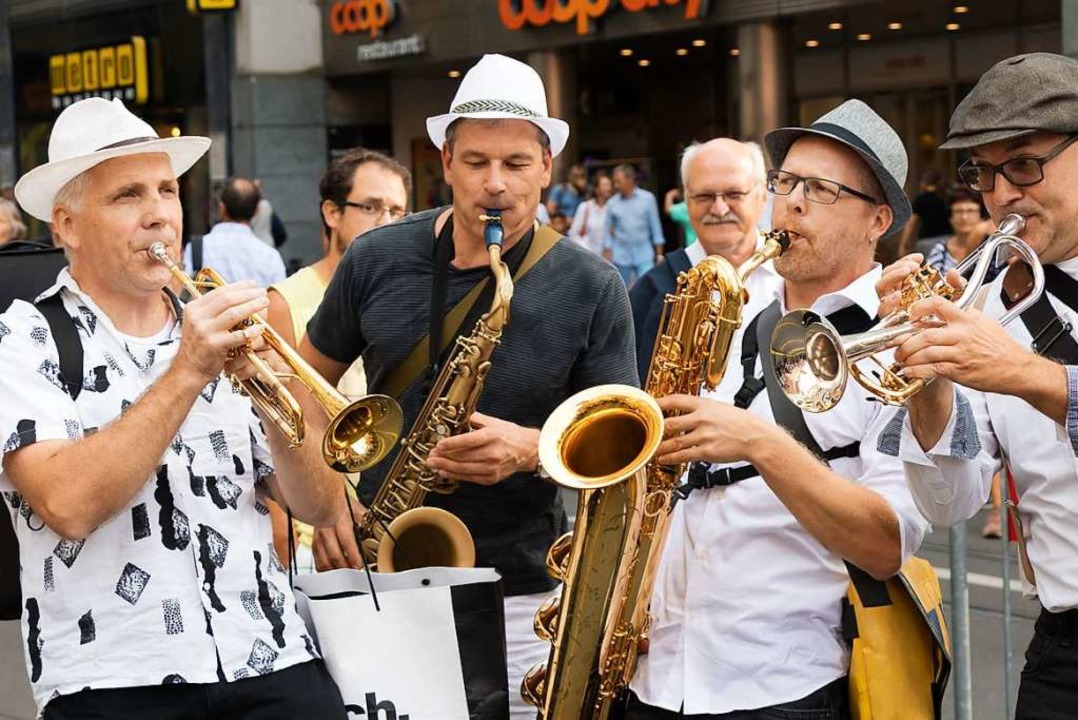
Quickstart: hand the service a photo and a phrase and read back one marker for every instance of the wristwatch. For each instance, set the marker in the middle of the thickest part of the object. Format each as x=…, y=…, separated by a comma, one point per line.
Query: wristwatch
x=541, y=471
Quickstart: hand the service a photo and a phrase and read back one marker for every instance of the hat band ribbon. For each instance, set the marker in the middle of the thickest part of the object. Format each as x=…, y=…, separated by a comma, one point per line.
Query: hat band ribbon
x=847, y=137
x=124, y=143
x=505, y=106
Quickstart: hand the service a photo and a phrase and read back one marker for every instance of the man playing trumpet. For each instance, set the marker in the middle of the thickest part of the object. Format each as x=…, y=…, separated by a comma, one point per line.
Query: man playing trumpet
x=1019, y=400
x=747, y=607
x=150, y=584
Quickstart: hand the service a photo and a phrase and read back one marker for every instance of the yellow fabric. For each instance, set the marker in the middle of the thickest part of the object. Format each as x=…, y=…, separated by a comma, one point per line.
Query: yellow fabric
x=303, y=293
x=900, y=659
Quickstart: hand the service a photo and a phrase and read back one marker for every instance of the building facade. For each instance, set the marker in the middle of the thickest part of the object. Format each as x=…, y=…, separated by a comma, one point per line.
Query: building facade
x=283, y=85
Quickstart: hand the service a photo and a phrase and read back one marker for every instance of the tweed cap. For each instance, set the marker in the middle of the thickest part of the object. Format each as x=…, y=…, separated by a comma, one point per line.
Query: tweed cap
x=1018, y=96
x=858, y=127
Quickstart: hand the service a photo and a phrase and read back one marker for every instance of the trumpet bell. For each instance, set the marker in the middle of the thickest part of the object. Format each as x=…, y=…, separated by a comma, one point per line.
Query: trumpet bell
x=426, y=537
x=807, y=356
x=362, y=434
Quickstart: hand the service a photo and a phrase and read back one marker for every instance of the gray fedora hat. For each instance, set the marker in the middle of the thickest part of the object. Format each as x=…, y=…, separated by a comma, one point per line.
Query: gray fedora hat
x=858, y=127
x=1018, y=96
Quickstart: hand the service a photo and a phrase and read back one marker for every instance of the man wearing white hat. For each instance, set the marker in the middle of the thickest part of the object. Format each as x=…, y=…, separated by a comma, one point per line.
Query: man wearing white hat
x=570, y=329
x=149, y=580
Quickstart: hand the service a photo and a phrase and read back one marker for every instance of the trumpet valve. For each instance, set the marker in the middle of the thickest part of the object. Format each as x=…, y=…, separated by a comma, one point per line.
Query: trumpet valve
x=926, y=282
x=532, y=688
x=546, y=619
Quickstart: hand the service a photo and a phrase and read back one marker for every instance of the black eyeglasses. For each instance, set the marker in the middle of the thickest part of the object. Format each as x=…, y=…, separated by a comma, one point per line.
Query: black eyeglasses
x=375, y=209
x=818, y=190
x=1019, y=171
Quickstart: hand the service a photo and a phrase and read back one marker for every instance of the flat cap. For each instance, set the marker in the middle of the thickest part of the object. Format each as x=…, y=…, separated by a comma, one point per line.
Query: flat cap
x=1018, y=96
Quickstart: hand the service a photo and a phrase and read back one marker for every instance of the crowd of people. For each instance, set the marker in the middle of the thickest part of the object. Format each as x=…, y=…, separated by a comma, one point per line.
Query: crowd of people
x=151, y=507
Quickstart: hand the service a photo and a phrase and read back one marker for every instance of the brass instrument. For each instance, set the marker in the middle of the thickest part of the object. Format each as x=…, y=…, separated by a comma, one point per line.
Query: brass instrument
x=599, y=442
x=610, y=561
x=812, y=361
x=426, y=536
x=359, y=434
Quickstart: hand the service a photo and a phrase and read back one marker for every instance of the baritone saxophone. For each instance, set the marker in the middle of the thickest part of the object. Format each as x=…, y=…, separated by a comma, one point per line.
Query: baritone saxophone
x=609, y=563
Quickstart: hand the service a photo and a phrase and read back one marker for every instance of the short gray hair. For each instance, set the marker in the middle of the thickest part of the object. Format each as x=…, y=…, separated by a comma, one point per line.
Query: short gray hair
x=72, y=193
x=451, y=131
x=756, y=157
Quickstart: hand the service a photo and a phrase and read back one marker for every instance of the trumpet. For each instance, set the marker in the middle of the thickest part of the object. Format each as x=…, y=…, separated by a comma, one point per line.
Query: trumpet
x=813, y=362
x=359, y=434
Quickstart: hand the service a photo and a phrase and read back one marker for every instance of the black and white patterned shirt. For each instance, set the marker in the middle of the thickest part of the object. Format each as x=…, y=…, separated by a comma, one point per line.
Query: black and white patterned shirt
x=183, y=584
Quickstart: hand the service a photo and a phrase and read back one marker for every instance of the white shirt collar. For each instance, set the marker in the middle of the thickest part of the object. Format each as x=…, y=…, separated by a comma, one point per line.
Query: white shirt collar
x=860, y=292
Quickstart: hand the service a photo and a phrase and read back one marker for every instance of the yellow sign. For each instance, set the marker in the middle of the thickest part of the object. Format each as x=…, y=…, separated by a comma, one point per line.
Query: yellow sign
x=115, y=71
x=195, y=6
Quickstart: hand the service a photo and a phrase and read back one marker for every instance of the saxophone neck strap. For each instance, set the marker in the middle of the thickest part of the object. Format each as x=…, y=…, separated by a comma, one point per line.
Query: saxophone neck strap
x=520, y=259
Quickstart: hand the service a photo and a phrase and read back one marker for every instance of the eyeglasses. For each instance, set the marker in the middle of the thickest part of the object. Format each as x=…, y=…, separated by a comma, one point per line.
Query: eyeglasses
x=375, y=209
x=706, y=199
x=818, y=190
x=1019, y=171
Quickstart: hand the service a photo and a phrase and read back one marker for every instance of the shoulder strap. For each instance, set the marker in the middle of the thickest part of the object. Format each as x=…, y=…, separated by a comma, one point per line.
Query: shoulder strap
x=544, y=240
x=68, y=344
x=1051, y=334
x=788, y=415
x=196, y=254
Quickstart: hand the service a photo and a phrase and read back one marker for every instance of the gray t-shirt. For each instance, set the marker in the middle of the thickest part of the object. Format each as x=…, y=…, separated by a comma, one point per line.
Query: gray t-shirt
x=570, y=328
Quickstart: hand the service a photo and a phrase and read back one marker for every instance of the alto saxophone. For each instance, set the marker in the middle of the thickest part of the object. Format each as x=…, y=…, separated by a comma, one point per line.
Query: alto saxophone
x=396, y=533
x=609, y=563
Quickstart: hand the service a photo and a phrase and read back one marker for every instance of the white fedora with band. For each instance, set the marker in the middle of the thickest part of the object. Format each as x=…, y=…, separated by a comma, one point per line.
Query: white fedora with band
x=501, y=88
x=88, y=133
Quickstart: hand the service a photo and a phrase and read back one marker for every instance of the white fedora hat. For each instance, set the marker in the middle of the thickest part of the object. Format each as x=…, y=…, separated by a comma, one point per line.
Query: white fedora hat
x=499, y=87
x=86, y=134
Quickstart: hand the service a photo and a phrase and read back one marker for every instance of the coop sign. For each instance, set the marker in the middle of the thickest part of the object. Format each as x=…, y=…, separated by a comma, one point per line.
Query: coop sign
x=113, y=71
x=516, y=14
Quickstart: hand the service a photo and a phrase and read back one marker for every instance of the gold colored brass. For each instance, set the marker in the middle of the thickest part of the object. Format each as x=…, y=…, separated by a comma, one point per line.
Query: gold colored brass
x=813, y=362
x=609, y=562
x=359, y=434
x=390, y=538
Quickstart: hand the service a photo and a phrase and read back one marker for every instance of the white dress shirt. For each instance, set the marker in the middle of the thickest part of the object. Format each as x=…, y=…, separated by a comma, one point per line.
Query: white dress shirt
x=588, y=224
x=237, y=254
x=182, y=584
x=950, y=488
x=747, y=605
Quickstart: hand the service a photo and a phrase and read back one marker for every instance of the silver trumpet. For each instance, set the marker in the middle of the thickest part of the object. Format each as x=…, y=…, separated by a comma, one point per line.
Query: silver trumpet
x=812, y=361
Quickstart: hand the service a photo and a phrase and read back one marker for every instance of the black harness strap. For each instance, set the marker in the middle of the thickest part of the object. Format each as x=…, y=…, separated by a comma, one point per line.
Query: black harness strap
x=68, y=344
x=847, y=320
x=1051, y=334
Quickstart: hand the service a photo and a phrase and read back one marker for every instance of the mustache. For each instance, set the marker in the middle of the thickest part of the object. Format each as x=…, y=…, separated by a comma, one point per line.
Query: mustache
x=730, y=217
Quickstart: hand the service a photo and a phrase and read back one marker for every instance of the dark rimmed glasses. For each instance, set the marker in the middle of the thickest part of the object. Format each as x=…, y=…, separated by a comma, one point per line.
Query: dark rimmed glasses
x=1019, y=171
x=375, y=209
x=817, y=190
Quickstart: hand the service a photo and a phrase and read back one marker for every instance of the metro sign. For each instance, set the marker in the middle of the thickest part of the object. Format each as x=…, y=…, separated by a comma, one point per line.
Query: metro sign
x=515, y=14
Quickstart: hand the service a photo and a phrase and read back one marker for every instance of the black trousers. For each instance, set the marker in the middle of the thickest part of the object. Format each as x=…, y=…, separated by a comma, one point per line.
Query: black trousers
x=301, y=691
x=1049, y=687
x=831, y=702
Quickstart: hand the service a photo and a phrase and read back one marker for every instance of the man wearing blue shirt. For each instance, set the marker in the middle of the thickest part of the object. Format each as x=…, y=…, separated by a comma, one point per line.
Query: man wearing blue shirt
x=633, y=239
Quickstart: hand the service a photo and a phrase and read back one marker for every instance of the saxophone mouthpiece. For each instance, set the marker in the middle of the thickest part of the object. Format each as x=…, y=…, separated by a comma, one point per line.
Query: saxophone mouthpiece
x=782, y=238
x=493, y=233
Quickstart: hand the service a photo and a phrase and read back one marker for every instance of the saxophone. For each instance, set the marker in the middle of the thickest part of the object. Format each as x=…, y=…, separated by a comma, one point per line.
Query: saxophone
x=397, y=533
x=609, y=563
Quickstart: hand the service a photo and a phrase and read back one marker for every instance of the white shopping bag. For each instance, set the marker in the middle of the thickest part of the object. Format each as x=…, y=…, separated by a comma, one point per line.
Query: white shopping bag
x=403, y=659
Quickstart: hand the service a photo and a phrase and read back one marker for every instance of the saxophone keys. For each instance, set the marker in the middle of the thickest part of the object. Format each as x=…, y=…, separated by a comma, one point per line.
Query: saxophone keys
x=557, y=558
x=532, y=689
x=546, y=619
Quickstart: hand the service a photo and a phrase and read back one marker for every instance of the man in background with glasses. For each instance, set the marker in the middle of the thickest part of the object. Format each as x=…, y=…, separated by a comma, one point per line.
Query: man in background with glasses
x=1019, y=399
x=230, y=247
x=360, y=191
x=747, y=609
x=723, y=181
